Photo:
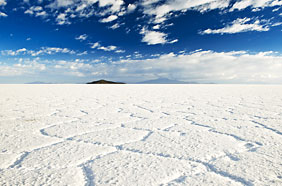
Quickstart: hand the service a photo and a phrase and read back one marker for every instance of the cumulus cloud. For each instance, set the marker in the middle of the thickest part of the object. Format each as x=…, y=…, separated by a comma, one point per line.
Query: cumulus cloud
x=108, y=48
x=239, y=25
x=86, y=8
x=156, y=27
x=199, y=66
x=114, y=5
x=98, y=46
x=77, y=68
x=61, y=3
x=62, y=19
x=109, y=19
x=21, y=51
x=153, y=37
x=3, y=2
x=21, y=68
x=41, y=14
x=37, y=11
x=131, y=8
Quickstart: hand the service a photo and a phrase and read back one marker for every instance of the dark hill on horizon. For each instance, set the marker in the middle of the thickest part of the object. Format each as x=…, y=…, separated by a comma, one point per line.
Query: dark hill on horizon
x=102, y=81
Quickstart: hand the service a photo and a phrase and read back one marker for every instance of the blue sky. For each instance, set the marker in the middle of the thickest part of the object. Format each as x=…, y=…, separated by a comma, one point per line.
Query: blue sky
x=75, y=41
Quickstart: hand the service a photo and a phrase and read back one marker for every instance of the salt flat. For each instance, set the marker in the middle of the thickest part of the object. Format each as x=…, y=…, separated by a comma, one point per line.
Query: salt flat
x=140, y=135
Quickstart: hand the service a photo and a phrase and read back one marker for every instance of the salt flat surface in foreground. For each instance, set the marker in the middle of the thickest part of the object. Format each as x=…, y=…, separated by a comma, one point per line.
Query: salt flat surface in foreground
x=140, y=135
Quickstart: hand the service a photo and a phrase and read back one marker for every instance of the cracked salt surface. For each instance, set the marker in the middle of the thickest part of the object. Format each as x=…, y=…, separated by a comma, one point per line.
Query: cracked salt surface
x=140, y=135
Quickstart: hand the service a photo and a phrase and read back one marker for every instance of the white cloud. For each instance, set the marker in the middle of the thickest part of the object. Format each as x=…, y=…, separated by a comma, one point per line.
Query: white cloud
x=30, y=12
x=77, y=68
x=2, y=14
x=114, y=5
x=239, y=25
x=51, y=51
x=37, y=8
x=156, y=27
x=201, y=66
x=240, y=5
x=277, y=24
x=95, y=45
x=173, y=41
x=62, y=19
x=42, y=51
x=21, y=51
x=119, y=51
x=82, y=53
x=82, y=37
x=115, y=26
x=41, y=14
x=149, y=2
x=108, y=48
x=87, y=8
x=3, y=2
x=162, y=10
x=131, y=8
x=98, y=46
x=276, y=9
x=61, y=3
x=21, y=68
x=37, y=11
x=109, y=19
x=153, y=37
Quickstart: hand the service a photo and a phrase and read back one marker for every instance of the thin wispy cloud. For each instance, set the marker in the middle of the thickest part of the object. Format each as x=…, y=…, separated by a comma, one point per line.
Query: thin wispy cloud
x=243, y=4
x=82, y=37
x=42, y=51
x=2, y=14
x=239, y=25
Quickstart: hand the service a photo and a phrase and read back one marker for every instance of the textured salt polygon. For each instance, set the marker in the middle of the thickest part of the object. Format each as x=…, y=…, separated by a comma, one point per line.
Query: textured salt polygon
x=44, y=176
x=114, y=137
x=140, y=135
x=141, y=169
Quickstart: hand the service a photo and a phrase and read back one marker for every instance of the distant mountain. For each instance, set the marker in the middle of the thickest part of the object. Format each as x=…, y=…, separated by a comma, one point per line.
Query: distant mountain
x=38, y=82
x=165, y=81
x=102, y=81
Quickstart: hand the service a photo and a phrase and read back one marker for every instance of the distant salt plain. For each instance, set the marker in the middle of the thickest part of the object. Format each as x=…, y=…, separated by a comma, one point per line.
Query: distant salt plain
x=140, y=135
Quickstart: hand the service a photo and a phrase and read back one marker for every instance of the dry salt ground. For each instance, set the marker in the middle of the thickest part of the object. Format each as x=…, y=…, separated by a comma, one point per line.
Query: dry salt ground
x=140, y=135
